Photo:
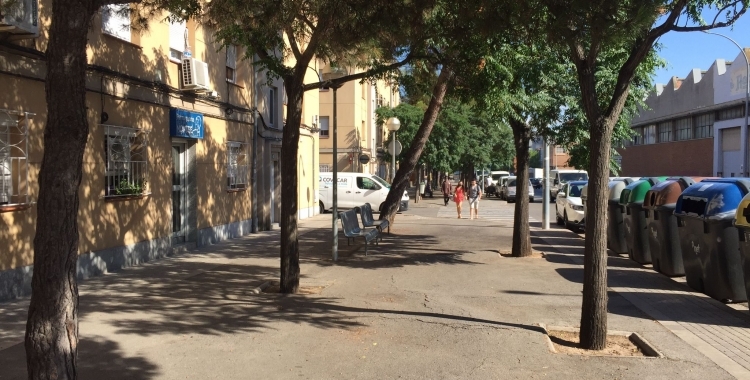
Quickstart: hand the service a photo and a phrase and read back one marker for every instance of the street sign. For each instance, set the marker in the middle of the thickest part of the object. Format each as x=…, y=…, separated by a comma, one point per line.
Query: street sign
x=398, y=148
x=364, y=159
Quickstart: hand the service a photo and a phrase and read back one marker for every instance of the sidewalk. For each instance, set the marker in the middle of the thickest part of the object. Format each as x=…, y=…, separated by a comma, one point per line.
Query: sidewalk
x=433, y=300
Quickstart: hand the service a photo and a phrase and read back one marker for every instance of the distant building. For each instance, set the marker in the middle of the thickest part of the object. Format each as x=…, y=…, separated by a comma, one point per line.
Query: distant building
x=692, y=125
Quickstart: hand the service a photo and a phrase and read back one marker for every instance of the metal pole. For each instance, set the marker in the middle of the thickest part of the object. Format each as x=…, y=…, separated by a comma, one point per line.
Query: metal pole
x=335, y=218
x=545, y=188
x=743, y=134
x=393, y=158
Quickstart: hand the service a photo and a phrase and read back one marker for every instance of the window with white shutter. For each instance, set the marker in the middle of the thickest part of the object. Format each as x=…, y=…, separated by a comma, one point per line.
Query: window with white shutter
x=231, y=63
x=177, y=37
x=116, y=21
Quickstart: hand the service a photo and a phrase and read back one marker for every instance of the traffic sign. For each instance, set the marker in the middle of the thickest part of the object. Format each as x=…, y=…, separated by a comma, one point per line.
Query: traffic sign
x=364, y=159
x=398, y=148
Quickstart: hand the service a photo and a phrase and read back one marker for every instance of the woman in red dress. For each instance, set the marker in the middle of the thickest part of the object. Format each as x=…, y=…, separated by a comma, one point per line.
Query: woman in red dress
x=458, y=197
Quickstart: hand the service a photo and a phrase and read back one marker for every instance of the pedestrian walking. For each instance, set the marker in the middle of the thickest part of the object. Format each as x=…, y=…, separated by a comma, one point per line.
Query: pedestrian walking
x=447, y=190
x=458, y=197
x=475, y=194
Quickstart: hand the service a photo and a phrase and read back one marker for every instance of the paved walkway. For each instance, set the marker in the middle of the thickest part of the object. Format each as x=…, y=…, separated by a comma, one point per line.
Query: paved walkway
x=434, y=300
x=719, y=331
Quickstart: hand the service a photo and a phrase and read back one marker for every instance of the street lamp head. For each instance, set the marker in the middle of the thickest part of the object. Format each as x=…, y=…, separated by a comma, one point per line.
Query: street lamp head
x=393, y=124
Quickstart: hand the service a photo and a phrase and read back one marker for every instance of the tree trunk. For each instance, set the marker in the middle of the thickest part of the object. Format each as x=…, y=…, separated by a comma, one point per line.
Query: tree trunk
x=593, y=333
x=521, y=233
x=409, y=162
x=289, y=282
x=52, y=327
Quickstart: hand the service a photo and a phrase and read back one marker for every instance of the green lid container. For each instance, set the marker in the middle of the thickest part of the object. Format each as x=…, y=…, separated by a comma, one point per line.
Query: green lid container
x=636, y=191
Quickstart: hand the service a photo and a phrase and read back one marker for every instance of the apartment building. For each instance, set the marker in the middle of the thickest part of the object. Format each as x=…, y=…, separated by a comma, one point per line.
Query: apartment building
x=184, y=143
x=359, y=135
x=692, y=125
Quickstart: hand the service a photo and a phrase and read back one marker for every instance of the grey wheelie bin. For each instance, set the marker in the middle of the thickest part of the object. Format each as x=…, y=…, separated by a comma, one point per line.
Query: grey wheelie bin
x=709, y=240
x=742, y=222
x=615, y=225
x=663, y=238
x=636, y=229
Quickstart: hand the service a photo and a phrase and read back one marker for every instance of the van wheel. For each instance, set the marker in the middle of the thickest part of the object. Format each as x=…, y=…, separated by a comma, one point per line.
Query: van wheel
x=322, y=208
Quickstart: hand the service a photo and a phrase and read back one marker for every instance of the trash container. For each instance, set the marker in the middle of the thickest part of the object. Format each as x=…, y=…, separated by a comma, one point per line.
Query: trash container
x=663, y=238
x=422, y=186
x=636, y=228
x=615, y=225
x=742, y=223
x=709, y=240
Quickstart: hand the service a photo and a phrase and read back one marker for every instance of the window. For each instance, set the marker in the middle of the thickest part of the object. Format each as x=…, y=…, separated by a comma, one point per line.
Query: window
x=272, y=106
x=732, y=113
x=177, y=40
x=684, y=128
x=665, y=131
x=231, y=63
x=649, y=134
x=14, y=167
x=324, y=168
x=638, y=136
x=126, y=153
x=324, y=127
x=559, y=150
x=704, y=125
x=237, y=165
x=367, y=184
x=116, y=21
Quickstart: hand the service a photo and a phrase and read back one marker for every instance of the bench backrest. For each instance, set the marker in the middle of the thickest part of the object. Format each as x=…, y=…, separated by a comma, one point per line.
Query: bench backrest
x=349, y=222
x=366, y=212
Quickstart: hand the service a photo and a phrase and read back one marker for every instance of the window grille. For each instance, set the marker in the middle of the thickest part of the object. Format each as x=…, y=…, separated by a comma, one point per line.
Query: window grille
x=324, y=168
x=665, y=131
x=126, y=153
x=704, y=125
x=732, y=113
x=649, y=134
x=14, y=157
x=237, y=165
x=559, y=150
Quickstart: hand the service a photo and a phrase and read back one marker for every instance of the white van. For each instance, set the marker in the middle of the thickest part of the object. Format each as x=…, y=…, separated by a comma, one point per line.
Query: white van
x=356, y=189
x=561, y=177
x=497, y=176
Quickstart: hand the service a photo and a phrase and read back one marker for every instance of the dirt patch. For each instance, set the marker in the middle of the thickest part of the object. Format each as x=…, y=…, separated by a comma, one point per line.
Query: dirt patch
x=566, y=342
x=534, y=254
x=303, y=290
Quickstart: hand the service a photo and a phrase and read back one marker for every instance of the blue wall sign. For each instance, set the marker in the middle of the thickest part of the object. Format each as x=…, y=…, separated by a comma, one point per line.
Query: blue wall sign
x=185, y=124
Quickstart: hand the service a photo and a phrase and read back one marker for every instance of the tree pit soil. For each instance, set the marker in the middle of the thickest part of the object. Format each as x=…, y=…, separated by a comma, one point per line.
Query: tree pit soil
x=566, y=342
x=303, y=290
x=534, y=254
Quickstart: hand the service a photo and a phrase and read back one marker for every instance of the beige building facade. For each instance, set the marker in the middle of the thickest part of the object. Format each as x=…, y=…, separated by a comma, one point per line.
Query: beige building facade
x=357, y=129
x=183, y=151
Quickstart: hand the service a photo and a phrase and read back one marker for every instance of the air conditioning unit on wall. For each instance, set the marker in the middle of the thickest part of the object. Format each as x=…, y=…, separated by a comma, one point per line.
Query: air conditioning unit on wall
x=195, y=74
x=20, y=20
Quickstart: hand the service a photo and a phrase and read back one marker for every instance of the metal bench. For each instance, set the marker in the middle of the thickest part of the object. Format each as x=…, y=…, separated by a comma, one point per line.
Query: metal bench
x=350, y=225
x=365, y=212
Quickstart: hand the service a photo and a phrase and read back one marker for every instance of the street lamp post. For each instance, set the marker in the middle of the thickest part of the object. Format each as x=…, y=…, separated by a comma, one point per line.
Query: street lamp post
x=335, y=74
x=743, y=133
x=393, y=125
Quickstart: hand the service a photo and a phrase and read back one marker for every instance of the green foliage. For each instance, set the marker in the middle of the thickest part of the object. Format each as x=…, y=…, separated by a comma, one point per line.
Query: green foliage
x=460, y=136
x=535, y=159
x=129, y=187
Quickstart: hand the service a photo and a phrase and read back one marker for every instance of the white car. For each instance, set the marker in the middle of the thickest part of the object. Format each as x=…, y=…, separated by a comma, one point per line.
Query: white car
x=509, y=190
x=569, y=206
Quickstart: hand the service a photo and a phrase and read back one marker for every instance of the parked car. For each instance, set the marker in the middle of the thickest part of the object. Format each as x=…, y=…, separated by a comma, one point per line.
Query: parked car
x=509, y=190
x=356, y=189
x=569, y=206
x=536, y=183
x=561, y=177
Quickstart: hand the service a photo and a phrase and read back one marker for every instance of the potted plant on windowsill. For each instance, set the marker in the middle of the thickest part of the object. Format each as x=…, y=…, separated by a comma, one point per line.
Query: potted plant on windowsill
x=125, y=187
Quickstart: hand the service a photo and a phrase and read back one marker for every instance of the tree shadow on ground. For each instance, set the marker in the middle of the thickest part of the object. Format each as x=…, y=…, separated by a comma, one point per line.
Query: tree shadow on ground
x=98, y=358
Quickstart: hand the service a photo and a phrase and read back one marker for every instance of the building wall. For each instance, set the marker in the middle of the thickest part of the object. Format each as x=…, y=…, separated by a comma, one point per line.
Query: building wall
x=124, y=231
x=686, y=158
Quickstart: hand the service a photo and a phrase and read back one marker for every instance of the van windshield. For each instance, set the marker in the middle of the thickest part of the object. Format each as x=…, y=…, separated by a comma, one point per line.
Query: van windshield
x=567, y=177
x=496, y=177
x=381, y=181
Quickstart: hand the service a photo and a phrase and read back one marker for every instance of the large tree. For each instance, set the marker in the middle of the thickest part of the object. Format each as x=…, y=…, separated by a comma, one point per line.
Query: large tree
x=583, y=30
x=287, y=36
x=52, y=328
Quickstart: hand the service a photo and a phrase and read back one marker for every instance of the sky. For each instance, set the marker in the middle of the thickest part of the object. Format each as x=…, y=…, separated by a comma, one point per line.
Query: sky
x=685, y=51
